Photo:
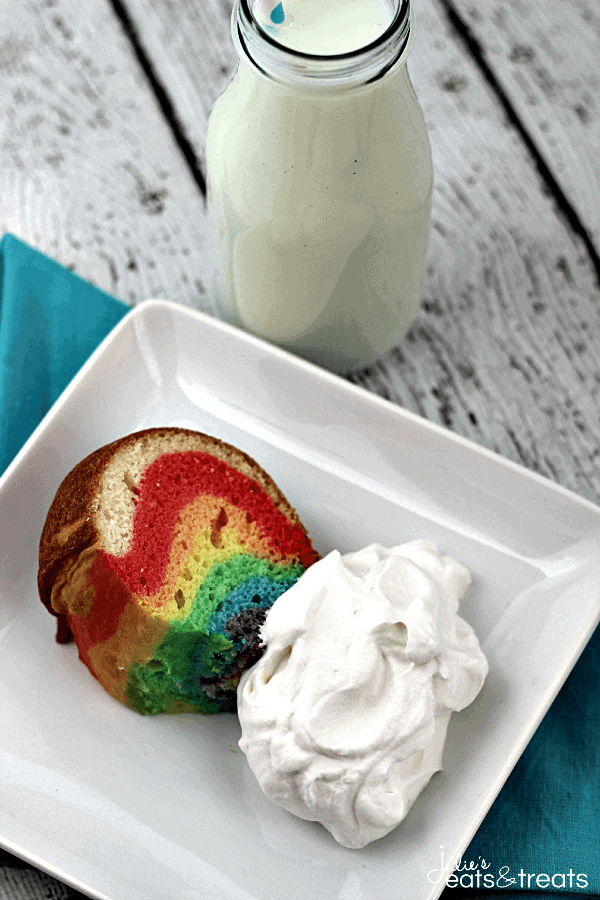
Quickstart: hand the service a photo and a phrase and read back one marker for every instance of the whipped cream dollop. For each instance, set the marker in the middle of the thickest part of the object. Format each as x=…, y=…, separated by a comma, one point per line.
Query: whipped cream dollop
x=344, y=717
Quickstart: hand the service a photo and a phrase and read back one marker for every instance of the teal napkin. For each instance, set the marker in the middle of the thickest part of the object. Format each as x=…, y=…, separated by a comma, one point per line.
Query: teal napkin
x=51, y=320
x=542, y=834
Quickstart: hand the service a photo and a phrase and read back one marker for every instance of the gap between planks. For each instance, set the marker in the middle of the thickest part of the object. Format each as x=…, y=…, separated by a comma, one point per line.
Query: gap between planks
x=167, y=106
x=564, y=206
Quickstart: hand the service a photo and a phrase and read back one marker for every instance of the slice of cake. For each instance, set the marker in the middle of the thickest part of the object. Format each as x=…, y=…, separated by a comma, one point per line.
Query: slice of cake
x=160, y=555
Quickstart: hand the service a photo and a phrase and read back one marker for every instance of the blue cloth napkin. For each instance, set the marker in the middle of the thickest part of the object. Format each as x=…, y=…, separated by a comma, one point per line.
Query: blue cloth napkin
x=51, y=320
x=542, y=834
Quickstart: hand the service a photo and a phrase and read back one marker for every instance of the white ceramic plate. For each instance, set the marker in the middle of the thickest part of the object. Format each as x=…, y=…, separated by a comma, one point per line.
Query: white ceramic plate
x=128, y=807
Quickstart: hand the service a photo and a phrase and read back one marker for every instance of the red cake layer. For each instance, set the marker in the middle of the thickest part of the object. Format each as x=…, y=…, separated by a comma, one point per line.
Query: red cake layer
x=95, y=629
x=167, y=486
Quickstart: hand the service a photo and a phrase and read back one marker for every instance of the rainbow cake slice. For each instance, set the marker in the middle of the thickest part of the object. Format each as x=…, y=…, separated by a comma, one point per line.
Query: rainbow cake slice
x=160, y=556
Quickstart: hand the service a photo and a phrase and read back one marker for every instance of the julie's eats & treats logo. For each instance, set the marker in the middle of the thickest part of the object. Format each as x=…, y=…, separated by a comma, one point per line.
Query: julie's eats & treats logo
x=481, y=874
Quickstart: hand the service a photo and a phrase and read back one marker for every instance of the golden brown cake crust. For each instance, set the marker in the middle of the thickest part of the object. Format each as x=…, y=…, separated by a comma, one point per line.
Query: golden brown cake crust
x=71, y=527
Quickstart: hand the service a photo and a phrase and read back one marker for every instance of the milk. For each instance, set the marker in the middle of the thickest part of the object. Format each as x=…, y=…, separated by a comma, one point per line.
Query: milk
x=319, y=194
x=332, y=26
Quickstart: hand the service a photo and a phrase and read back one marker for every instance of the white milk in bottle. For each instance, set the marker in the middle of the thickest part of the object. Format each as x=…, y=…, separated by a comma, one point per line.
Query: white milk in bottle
x=320, y=178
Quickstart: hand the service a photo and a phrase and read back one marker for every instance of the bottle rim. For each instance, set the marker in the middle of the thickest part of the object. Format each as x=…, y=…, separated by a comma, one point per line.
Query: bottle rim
x=363, y=66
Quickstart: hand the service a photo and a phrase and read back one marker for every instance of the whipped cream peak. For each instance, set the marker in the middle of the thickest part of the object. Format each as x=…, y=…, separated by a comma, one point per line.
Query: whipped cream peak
x=344, y=717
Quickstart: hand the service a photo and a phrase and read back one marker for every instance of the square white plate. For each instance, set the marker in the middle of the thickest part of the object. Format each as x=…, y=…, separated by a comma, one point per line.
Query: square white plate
x=128, y=807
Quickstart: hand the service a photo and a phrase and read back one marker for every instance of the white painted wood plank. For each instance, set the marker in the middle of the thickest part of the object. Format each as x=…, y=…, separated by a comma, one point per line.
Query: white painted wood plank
x=546, y=57
x=189, y=45
x=89, y=171
x=502, y=351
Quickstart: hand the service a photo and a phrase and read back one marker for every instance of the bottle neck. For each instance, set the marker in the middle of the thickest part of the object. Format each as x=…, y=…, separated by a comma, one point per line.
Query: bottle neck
x=360, y=69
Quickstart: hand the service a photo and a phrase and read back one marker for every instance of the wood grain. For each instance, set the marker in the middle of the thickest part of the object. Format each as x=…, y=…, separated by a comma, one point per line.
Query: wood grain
x=190, y=49
x=89, y=170
x=546, y=58
x=502, y=351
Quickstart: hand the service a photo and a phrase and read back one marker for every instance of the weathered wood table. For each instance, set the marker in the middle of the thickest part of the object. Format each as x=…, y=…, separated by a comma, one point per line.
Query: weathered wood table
x=103, y=115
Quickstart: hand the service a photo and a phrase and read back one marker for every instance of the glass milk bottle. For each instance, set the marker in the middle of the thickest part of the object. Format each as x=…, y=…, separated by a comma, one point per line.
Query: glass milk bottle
x=320, y=179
